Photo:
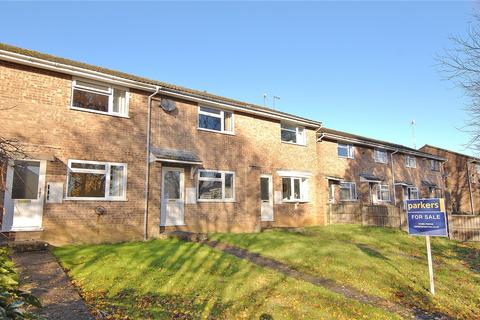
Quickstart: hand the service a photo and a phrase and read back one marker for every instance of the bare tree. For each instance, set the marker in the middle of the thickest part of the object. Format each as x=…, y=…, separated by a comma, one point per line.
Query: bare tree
x=461, y=64
x=10, y=149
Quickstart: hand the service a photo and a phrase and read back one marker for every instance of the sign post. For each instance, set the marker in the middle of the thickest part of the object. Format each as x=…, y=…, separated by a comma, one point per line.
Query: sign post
x=427, y=217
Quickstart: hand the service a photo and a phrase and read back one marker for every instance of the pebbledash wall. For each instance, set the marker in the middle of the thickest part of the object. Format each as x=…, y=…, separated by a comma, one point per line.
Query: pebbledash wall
x=37, y=112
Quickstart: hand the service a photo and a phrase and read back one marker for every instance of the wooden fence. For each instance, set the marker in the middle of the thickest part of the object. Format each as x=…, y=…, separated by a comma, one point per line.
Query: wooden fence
x=461, y=227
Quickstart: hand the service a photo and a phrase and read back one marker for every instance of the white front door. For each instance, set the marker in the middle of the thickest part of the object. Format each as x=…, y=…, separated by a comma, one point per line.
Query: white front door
x=266, y=198
x=172, y=203
x=24, y=195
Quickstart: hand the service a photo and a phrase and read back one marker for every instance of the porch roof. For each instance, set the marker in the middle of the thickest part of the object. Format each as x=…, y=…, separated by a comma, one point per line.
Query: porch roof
x=404, y=183
x=429, y=184
x=334, y=178
x=369, y=177
x=175, y=156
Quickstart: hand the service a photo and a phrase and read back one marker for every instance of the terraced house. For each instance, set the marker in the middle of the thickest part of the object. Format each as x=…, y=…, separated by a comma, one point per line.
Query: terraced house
x=113, y=157
x=110, y=156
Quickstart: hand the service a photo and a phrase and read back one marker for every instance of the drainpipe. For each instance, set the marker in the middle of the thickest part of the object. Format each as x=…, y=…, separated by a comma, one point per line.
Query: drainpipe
x=393, y=178
x=470, y=188
x=147, y=163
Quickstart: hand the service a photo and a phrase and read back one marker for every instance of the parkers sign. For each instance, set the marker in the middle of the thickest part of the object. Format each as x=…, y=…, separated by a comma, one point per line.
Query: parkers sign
x=427, y=217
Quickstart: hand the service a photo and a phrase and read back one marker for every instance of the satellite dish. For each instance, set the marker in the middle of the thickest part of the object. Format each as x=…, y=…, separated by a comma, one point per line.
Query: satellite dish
x=168, y=105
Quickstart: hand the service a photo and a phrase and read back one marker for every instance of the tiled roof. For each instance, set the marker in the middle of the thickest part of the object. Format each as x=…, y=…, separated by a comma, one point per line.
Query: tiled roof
x=164, y=85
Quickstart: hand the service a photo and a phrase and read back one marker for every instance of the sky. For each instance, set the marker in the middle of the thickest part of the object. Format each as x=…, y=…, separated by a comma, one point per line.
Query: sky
x=368, y=68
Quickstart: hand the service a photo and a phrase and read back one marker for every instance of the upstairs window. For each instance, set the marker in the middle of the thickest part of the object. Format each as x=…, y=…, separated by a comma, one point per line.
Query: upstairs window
x=216, y=185
x=92, y=180
x=291, y=133
x=99, y=98
x=348, y=191
x=380, y=156
x=345, y=151
x=294, y=189
x=215, y=120
x=435, y=165
x=410, y=162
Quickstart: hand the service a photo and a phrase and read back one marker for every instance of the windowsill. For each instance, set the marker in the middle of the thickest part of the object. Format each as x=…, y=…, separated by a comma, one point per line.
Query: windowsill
x=295, y=144
x=215, y=201
x=353, y=200
x=215, y=131
x=99, y=112
x=295, y=201
x=347, y=158
x=94, y=199
x=378, y=162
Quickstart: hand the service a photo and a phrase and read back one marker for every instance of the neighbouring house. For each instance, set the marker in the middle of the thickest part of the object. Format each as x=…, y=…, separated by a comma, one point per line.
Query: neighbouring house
x=364, y=171
x=462, y=180
x=96, y=139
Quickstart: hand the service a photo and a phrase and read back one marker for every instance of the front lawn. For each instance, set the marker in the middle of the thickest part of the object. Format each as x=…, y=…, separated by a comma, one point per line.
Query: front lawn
x=172, y=279
x=383, y=262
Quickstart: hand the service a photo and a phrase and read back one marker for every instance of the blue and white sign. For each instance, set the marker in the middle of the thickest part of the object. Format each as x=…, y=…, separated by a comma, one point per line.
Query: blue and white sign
x=427, y=217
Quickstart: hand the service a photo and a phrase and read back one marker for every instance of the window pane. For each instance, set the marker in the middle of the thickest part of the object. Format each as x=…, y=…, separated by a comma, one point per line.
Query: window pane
x=210, y=174
x=301, y=136
x=92, y=86
x=119, y=101
x=342, y=151
x=116, y=181
x=286, y=188
x=228, y=121
x=90, y=100
x=86, y=185
x=209, y=122
x=288, y=127
x=25, y=179
x=296, y=188
x=93, y=166
x=289, y=136
x=209, y=110
x=265, y=189
x=210, y=189
x=171, y=183
x=228, y=186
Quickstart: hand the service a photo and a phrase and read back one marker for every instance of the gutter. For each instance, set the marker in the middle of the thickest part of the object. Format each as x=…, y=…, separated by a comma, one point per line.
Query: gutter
x=100, y=76
x=147, y=164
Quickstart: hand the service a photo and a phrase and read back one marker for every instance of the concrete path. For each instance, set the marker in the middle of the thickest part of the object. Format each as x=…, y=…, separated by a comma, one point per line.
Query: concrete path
x=346, y=291
x=41, y=274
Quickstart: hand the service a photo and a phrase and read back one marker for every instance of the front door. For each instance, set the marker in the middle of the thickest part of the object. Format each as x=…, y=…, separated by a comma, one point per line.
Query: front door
x=266, y=198
x=172, y=205
x=24, y=195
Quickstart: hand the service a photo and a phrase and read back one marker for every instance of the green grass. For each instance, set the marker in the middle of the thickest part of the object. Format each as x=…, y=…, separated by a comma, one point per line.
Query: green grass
x=384, y=262
x=8, y=276
x=165, y=279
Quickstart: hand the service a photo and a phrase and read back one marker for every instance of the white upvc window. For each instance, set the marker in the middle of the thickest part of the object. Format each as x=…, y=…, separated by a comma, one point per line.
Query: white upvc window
x=211, y=119
x=412, y=193
x=216, y=186
x=345, y=151
x=383, y=193
x=410, y=162
x=92, y=96
x=291, y=133
x=435, y=165
x=295, y=189
x=94, y=180
x=348, y=191
x=380, y=156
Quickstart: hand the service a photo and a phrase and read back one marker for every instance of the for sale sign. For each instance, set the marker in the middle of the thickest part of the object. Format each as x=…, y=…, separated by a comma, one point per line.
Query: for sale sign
x=427, y=217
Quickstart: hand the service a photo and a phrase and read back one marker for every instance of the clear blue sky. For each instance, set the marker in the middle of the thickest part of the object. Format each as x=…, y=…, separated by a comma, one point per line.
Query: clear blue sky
x=364, y=67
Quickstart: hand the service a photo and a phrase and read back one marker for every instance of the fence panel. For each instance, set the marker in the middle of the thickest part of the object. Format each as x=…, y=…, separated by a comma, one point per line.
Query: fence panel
x=464, y=227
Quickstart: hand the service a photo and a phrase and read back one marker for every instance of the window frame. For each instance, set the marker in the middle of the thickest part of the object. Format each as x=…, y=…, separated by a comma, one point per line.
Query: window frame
x=297, y=131
x=409, y=192
x=379, y=193
x=350, y=147
x=109, y=93
x=304, y=189
x=355, y=195
x=432, y=167
x=221, y=179
x=221, y=116
x=407, y=163
x=376, y=151
x=106, y=171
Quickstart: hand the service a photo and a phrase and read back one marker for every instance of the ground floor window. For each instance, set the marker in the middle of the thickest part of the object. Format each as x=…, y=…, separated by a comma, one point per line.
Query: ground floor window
x=412, y=193
x=216, y=185
x=435, y=192
x=348, y=191
x=93, y=180
x=383, y=192
x=294, y=189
